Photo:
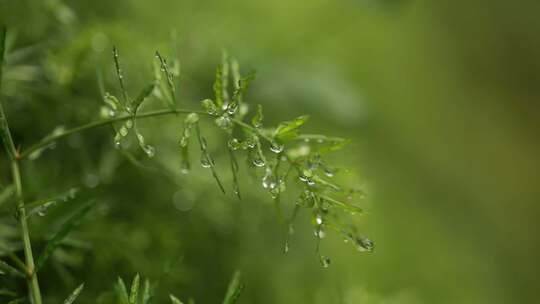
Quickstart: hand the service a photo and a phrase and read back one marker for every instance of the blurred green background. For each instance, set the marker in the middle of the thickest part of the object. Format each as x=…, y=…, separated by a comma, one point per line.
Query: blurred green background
x=440, y=99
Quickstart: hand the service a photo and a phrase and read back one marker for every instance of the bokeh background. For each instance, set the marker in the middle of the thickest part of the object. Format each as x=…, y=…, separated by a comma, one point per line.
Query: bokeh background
x=439, y=98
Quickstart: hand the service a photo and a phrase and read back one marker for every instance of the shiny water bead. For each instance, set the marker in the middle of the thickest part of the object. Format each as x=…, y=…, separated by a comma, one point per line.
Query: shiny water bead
x=205, y=161
x=276, y=146
x=364, y=244
x=325, y=261
x=210, y=107
x=224, y=122
x=233, y=144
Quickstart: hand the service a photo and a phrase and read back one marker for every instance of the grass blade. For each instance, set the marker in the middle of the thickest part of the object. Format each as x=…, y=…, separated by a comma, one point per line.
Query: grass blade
x=10, y=270
x=120, y=75
x=175, y=300
x=234, y=290
x=134, y=293
x=74, y=294
x=121, y=291
x=59, y=236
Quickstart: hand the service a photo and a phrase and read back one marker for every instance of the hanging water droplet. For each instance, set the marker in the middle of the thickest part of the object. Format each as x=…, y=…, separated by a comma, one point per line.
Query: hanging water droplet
x=123, y=131
x=184, y=141
x=233, y=144
x=224, y=122
x=149, y=150
x=258, y=162
x=328, y=172
x=210, y=107
x=286, y=247
x=205, y=161
x=319, y=233
x=319, y=219
x=276, y=147
x=250, y=143
x=231, y=108
x=129, y=124
x=269, y=181
x=364, y=244
x=325, y=261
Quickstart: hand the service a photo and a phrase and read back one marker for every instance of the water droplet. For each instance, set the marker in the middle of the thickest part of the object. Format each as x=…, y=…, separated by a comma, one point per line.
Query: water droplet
x=117, y=144
x=325, y=261
x=258, y=162
x=224, y=122
x=328, y=172
x=149, y=150
x=364, y=244
x=250, y=143
x=286, y=247
x=234, y=144
x=318, y=219
x=123, y=131
x=205, y=161
x=319, y=233
x=269, y=181
x=231, y=108
x=276, y=147
x=184, y=141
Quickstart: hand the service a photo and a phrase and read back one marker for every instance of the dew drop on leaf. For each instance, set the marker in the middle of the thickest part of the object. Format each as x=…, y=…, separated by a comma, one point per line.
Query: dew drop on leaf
x=276, y=147
x=205, y=162
x=233, y=144
x=325, y=261
x=364, y=244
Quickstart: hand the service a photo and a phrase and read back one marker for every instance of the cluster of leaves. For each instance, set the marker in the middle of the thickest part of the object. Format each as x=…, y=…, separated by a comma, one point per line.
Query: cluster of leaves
x=282, y=152
x=283, y=157
x=145, y=294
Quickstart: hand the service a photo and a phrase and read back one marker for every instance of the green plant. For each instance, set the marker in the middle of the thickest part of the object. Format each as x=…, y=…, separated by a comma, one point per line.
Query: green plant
x=286, y=157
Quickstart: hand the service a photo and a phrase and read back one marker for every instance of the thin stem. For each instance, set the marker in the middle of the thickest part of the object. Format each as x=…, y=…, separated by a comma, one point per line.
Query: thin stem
x=27, y=246
x=50, y=139
x=31, y=279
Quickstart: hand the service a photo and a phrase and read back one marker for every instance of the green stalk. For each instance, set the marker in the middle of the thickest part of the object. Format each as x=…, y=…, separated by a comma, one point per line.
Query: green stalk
x=31, y=276
x=104, y=122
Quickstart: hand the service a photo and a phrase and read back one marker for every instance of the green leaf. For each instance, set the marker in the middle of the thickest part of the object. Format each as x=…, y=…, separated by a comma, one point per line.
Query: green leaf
x=10, y=270
x=218, y=87
x=225, y=77
x=256, y=121
x=112, y=102
x=5, y=194
x=120, y=75
x=121, y=291
x=74, y=294
x=210, y=107
x=134, y=293
x=288, y=129
x=207, y=160
x=234, y=170
x=345, y=206
x=141, y=97
x=164, y=67
x=175, y=300
x=147, y=292
x=18, y=301
x=234, y=290
x=59, y=236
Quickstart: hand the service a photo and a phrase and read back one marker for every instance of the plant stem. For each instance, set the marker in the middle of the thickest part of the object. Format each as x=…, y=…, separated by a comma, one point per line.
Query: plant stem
x=50, y=139
x=32, y=279
x=5, y=134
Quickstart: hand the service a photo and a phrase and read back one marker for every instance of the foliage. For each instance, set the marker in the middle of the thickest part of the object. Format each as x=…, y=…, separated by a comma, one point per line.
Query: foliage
x=286, y=157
